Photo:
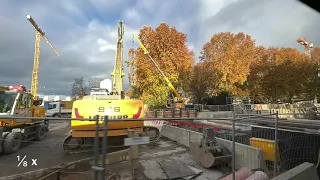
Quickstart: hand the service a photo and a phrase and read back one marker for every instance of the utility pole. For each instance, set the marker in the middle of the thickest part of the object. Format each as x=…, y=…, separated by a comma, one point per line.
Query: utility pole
x=307, y=51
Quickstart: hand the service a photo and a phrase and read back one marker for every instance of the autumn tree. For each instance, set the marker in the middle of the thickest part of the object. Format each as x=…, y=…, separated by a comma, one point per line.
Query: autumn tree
x=280, y=74
x=169, y=49
x=204, y=82
x=258, y=70
x=133, y=92
x=315, y=58
x=230, y=56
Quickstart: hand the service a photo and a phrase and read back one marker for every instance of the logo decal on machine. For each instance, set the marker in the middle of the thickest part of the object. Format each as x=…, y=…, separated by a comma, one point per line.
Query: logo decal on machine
x=76, y=113
x=115, y=109
x=137, y=115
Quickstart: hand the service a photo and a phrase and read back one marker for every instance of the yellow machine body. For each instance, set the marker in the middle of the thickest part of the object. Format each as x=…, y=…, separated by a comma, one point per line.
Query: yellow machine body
x=114, y=109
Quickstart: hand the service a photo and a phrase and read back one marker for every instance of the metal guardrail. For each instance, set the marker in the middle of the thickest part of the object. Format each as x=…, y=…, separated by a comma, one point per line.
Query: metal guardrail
x=103, y=118
x=246, y=116
x=299, y=124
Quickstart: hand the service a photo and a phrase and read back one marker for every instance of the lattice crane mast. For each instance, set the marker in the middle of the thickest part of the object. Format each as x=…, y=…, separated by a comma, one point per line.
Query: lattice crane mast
x=306, y=45
x=35, y=72
x=118, y=73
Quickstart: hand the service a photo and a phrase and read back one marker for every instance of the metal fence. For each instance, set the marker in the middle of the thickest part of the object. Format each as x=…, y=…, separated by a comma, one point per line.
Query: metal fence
x=284, y=144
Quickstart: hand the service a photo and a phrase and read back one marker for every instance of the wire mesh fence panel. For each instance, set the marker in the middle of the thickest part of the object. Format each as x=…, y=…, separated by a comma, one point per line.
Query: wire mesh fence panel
x=285, y=144
x=256, y=145
x=297, y=147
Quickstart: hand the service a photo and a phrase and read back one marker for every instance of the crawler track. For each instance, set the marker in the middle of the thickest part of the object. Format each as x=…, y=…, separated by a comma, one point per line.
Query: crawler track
x=83, y=145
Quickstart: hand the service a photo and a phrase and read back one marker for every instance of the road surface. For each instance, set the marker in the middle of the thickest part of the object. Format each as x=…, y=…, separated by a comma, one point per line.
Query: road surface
x=49, y=152
x=46, y=153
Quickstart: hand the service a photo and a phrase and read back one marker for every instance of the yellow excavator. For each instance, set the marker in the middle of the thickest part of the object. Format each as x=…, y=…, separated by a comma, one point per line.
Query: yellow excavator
x=109, y=100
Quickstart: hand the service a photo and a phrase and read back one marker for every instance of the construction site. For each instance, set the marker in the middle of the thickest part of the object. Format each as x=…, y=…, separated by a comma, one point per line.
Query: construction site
x=106, y=135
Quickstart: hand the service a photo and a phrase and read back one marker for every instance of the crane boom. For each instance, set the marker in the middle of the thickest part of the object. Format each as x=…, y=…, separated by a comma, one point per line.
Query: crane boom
x=118, y=73
x=36, y=61
x=145, y=51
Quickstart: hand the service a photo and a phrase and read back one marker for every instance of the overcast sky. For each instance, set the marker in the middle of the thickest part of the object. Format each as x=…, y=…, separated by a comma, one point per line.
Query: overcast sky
x=85, y=32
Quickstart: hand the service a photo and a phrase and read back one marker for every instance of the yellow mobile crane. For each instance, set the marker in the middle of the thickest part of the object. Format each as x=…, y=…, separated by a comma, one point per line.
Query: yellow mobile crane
x=179, y=103
x=105, y=101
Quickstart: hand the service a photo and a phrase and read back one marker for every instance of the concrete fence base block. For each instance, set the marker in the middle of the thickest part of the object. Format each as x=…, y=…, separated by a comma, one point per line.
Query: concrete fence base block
x=303, y=171
x=246, y=156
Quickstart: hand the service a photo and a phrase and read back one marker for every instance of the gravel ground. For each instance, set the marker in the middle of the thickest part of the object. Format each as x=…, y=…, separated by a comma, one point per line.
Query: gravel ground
x=47, y=152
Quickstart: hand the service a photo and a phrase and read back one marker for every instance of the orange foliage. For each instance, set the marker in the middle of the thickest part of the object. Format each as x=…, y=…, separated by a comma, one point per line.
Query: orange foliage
x=231, y=56
x=282, y=73
x=204, y=82
x=169, y=49
x=315, y=54
x=229, y=62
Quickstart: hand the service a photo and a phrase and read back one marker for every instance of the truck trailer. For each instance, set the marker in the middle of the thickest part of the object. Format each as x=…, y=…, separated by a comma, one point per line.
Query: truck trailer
x=59, y=109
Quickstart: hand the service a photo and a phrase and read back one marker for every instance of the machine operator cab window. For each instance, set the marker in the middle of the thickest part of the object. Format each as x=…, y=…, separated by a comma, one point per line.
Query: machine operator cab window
x=23, y=101
x=23, y=104
x=52, y=106
x=7, y=101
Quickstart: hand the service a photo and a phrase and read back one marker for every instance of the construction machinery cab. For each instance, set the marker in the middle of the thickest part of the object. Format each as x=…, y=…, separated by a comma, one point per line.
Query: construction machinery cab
x=15, y=97
x=10, y=97
x=107, y=89
x=17, y=102
x=21, y=88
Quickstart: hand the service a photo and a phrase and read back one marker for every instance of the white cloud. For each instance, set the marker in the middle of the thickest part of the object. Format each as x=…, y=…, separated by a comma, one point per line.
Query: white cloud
x=132, y=15
x=108, y=47
x=85, y=32
x=209, y=8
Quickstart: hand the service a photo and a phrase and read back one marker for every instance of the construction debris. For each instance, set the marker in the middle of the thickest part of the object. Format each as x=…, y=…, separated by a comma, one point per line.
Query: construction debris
x=176, y=169
x=208, y=153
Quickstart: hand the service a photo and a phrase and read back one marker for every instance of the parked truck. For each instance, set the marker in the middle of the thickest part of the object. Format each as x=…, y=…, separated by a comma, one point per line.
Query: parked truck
x=59, y=109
